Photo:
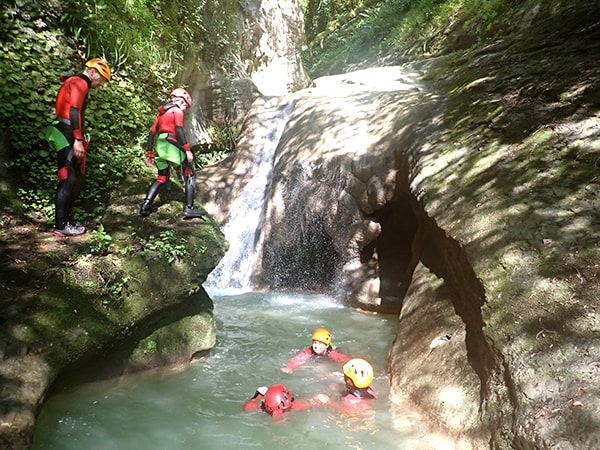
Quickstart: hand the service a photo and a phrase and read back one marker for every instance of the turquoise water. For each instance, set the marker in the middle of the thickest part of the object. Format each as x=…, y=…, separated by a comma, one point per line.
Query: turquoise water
x=200, y=406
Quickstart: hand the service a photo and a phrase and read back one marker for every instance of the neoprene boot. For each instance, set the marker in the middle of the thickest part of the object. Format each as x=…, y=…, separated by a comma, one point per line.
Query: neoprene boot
x=190, y=211
x=146, y=209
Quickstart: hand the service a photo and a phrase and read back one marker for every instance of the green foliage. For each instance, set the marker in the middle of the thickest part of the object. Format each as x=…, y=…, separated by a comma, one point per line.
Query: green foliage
x=218, y=34
x=222, y=144
x=99, y=241
x=145, y=43
x=151, y=347
x=342, y=34
x=166, y=245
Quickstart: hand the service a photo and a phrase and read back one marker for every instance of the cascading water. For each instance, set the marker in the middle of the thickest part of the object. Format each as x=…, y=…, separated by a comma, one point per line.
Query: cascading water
x=233, y=273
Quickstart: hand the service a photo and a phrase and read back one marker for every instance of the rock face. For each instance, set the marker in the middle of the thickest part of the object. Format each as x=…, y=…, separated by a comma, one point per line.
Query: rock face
x=71, y=318
x=271, y=49
x=339, y=213
x=268, y=64
x=463, y=206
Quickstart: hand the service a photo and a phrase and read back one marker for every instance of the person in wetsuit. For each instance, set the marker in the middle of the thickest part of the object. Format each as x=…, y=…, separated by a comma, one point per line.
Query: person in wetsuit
x=277, y=399
x=66, y=137
x=321, y=347
x=358, y=376
x=168, y=146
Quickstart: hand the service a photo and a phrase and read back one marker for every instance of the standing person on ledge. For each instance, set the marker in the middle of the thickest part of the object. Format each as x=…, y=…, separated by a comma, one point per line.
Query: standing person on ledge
x=168, y=145
x=65, y=136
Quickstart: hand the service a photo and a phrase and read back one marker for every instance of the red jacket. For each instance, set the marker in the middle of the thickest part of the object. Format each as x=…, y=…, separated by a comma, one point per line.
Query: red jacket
x=169, y=120
x=306, y=354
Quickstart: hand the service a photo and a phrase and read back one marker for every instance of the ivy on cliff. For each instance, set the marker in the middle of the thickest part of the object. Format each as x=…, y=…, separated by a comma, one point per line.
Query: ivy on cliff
x=345, y=34
x=146, y=43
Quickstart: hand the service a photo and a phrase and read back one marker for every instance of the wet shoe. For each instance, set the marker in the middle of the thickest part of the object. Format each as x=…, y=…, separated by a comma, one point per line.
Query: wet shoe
x=191, y=212
x=146, y=210
x=78, y=223
x=69, y=230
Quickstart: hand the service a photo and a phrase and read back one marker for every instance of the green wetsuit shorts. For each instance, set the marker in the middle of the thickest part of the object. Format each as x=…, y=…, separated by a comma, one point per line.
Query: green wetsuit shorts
x=56, y=139
x=165, y=152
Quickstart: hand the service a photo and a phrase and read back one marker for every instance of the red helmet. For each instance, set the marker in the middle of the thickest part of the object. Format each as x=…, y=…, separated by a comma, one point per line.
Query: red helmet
x=277, y=399
x=182, y=93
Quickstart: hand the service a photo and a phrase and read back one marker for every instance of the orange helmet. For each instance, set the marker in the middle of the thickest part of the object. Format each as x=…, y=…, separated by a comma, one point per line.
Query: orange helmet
x=182, y=93
x=322, y=335
x=277, y=399
x=360, y=372
x=101, y=66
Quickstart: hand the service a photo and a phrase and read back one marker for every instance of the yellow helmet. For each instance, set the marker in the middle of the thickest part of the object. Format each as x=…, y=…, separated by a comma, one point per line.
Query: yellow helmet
x=322, y=335
x=360, y=372
x=101, y=66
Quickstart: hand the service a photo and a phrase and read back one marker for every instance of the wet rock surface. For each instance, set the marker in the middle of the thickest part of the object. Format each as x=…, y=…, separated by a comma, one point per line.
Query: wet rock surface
x=70, y=313
x=484, y=162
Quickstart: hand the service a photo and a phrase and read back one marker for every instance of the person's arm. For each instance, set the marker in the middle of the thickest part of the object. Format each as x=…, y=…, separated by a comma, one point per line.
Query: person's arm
x=79, y=89
x=319, y=399
x=180, y=133
x=150, y=143
x=256, y=401
x=297, y=361
x=338, y=356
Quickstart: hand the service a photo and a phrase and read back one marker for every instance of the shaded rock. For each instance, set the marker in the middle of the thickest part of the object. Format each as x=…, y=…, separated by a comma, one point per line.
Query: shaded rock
x=71, y=318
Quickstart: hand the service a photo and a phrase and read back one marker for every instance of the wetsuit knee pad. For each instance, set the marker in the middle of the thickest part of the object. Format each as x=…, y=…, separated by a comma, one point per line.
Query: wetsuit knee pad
x=63, y=173
x=188, y=171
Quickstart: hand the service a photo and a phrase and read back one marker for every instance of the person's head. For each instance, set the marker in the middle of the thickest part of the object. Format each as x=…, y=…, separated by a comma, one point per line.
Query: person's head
x=98, y=71
x=277, y=399
x=181, y=98
x=321, y=340
x=358, y=373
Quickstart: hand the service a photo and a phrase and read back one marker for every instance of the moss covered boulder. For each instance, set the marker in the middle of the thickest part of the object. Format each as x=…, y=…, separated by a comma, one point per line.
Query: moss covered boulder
x=127, y=295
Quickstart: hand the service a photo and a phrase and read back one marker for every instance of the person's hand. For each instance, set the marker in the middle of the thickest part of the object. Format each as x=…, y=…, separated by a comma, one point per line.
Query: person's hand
x=321, y=399
x=190, y=155
x=78, y=149
x=286, y=370
x=262, y=390
x=149, y=161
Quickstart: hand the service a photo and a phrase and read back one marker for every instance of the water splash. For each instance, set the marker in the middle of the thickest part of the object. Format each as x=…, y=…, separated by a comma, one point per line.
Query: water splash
x=233, y=273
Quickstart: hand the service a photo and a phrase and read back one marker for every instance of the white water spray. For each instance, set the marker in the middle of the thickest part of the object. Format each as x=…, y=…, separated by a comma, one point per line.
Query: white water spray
x=233, y=273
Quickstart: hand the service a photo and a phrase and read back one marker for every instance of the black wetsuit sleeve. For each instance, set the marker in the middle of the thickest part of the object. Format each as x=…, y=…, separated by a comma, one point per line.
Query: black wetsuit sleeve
x=181, y=136
x=150, y=143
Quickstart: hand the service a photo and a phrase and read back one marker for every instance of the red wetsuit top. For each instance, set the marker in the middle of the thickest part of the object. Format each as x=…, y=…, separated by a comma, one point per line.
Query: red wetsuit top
x=256, y=404
x=169, y=120
x=308, y=353
x=71, y=101
x=355, y=400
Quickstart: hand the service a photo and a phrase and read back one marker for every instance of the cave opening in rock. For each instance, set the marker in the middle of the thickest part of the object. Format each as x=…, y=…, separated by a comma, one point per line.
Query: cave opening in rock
x=393, y=252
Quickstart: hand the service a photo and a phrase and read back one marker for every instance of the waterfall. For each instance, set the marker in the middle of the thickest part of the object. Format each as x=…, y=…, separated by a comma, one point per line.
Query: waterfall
x=233, y=273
